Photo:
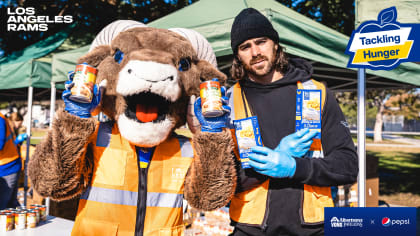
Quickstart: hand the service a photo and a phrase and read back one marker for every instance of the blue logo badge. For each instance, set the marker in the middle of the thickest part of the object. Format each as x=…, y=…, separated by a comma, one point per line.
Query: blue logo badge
x=386, y=221
x=369, y=221
x=383, y=44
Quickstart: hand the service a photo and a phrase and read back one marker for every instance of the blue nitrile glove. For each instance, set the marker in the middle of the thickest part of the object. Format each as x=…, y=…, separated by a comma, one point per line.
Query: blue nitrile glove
x=213, y=124
x=297, y=144
x=20, y=138
x=271, y=163
x=79, y=109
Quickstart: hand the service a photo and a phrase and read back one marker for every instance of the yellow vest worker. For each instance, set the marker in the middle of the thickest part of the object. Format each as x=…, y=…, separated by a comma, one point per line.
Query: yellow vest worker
x=147, y=183
x=9, y=152
x=250, y=207
x=10, y=164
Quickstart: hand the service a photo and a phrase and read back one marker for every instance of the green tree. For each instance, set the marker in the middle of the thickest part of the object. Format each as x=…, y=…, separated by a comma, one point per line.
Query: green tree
x=348, y=104
x=90, y=15
x=379, y=103
x=336, y=14
x=405, y=103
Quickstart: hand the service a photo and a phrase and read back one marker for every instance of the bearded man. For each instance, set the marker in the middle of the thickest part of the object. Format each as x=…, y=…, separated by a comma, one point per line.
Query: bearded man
x=288, y=185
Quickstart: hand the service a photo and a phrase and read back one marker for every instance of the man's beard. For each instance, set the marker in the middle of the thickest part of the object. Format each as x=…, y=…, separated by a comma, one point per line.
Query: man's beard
x=270, y=66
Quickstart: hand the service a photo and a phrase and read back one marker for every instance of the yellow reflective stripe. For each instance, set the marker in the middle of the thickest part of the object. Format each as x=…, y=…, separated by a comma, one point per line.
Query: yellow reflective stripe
x=122, y=197
x=172, y=200
x=111, y=196
x=186, y=148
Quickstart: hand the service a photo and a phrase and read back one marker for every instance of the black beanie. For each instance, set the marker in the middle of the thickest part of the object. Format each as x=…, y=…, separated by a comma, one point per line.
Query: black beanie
x=250, y=23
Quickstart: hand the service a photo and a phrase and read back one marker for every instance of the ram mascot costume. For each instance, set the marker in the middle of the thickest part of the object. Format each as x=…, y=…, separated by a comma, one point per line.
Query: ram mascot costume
x=133, y=172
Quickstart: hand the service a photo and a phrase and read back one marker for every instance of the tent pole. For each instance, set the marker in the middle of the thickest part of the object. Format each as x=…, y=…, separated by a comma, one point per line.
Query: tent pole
x=361, y=135
x=52, y=112
x=28, y=144
x=52, y=102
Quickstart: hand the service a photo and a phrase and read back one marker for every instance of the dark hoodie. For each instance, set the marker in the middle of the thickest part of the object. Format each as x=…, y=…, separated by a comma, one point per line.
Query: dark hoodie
x=275, y=106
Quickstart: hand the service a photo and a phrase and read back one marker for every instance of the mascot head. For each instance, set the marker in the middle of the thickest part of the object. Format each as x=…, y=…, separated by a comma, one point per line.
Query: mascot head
x=150, y=74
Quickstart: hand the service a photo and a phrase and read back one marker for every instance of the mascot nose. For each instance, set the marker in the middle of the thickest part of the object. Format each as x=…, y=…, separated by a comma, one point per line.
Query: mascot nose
x=129, y=71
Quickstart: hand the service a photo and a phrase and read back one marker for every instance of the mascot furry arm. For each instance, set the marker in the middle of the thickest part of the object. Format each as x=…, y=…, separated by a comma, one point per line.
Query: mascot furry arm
x=159, y=69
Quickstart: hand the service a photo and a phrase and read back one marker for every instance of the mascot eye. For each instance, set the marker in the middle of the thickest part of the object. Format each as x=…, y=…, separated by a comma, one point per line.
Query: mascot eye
x=184, y=64
x=118, y=56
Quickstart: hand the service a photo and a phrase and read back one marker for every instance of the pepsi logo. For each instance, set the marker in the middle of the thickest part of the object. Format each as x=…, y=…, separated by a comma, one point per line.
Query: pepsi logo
x=386, y=221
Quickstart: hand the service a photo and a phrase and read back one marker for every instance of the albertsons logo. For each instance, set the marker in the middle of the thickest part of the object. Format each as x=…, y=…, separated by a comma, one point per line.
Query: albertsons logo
x=335, y=222
x=380, y=45
x=386, y=221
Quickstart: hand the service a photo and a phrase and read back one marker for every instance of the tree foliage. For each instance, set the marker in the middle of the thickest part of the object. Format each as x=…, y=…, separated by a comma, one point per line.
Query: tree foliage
x=336, y=14
x=379, y=103
x=348, y=104
x=90, y=15
x=404, y=103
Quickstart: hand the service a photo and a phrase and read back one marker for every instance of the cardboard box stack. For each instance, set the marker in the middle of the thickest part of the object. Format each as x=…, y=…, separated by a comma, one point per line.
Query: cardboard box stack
x=347, y=194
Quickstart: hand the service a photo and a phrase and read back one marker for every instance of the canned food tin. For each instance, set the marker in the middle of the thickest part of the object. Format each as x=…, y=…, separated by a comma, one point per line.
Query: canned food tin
x=6, y=221
x=38, y=213
x=12, y=219
x=20, y=220
x=42, y=212
x=84, y=79
x=211, y=98
x=31, y=219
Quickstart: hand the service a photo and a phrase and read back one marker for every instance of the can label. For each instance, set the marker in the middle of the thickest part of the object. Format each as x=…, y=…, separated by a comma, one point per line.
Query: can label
x=211, y=99
x=6, y=221
x=84, y=79
x=31, y=219
x=20, y=220
x=37, y=211
x=42, y=211
x=247, y=132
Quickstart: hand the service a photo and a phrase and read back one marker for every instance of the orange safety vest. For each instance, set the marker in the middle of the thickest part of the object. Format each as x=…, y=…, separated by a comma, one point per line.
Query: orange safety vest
x=109, y=205
x=9, y=152
x=250, y=207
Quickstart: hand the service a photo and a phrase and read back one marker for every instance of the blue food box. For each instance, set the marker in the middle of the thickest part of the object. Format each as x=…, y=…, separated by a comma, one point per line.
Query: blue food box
x=308, y=111
x=247, y=132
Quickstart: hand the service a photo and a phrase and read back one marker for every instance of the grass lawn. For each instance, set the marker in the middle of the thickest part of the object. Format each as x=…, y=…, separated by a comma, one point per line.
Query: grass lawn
x=398, y=177
x=410, y=136
x=370, y=140
x=37, y=135
x=184, y=131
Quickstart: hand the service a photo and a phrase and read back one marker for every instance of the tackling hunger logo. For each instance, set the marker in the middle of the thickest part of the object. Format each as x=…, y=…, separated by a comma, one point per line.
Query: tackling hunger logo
x=381, y=44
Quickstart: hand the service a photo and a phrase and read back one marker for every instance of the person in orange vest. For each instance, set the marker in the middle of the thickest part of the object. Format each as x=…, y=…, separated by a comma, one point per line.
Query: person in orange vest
x=289, y=182
x=10, y=162
x=16, y=121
